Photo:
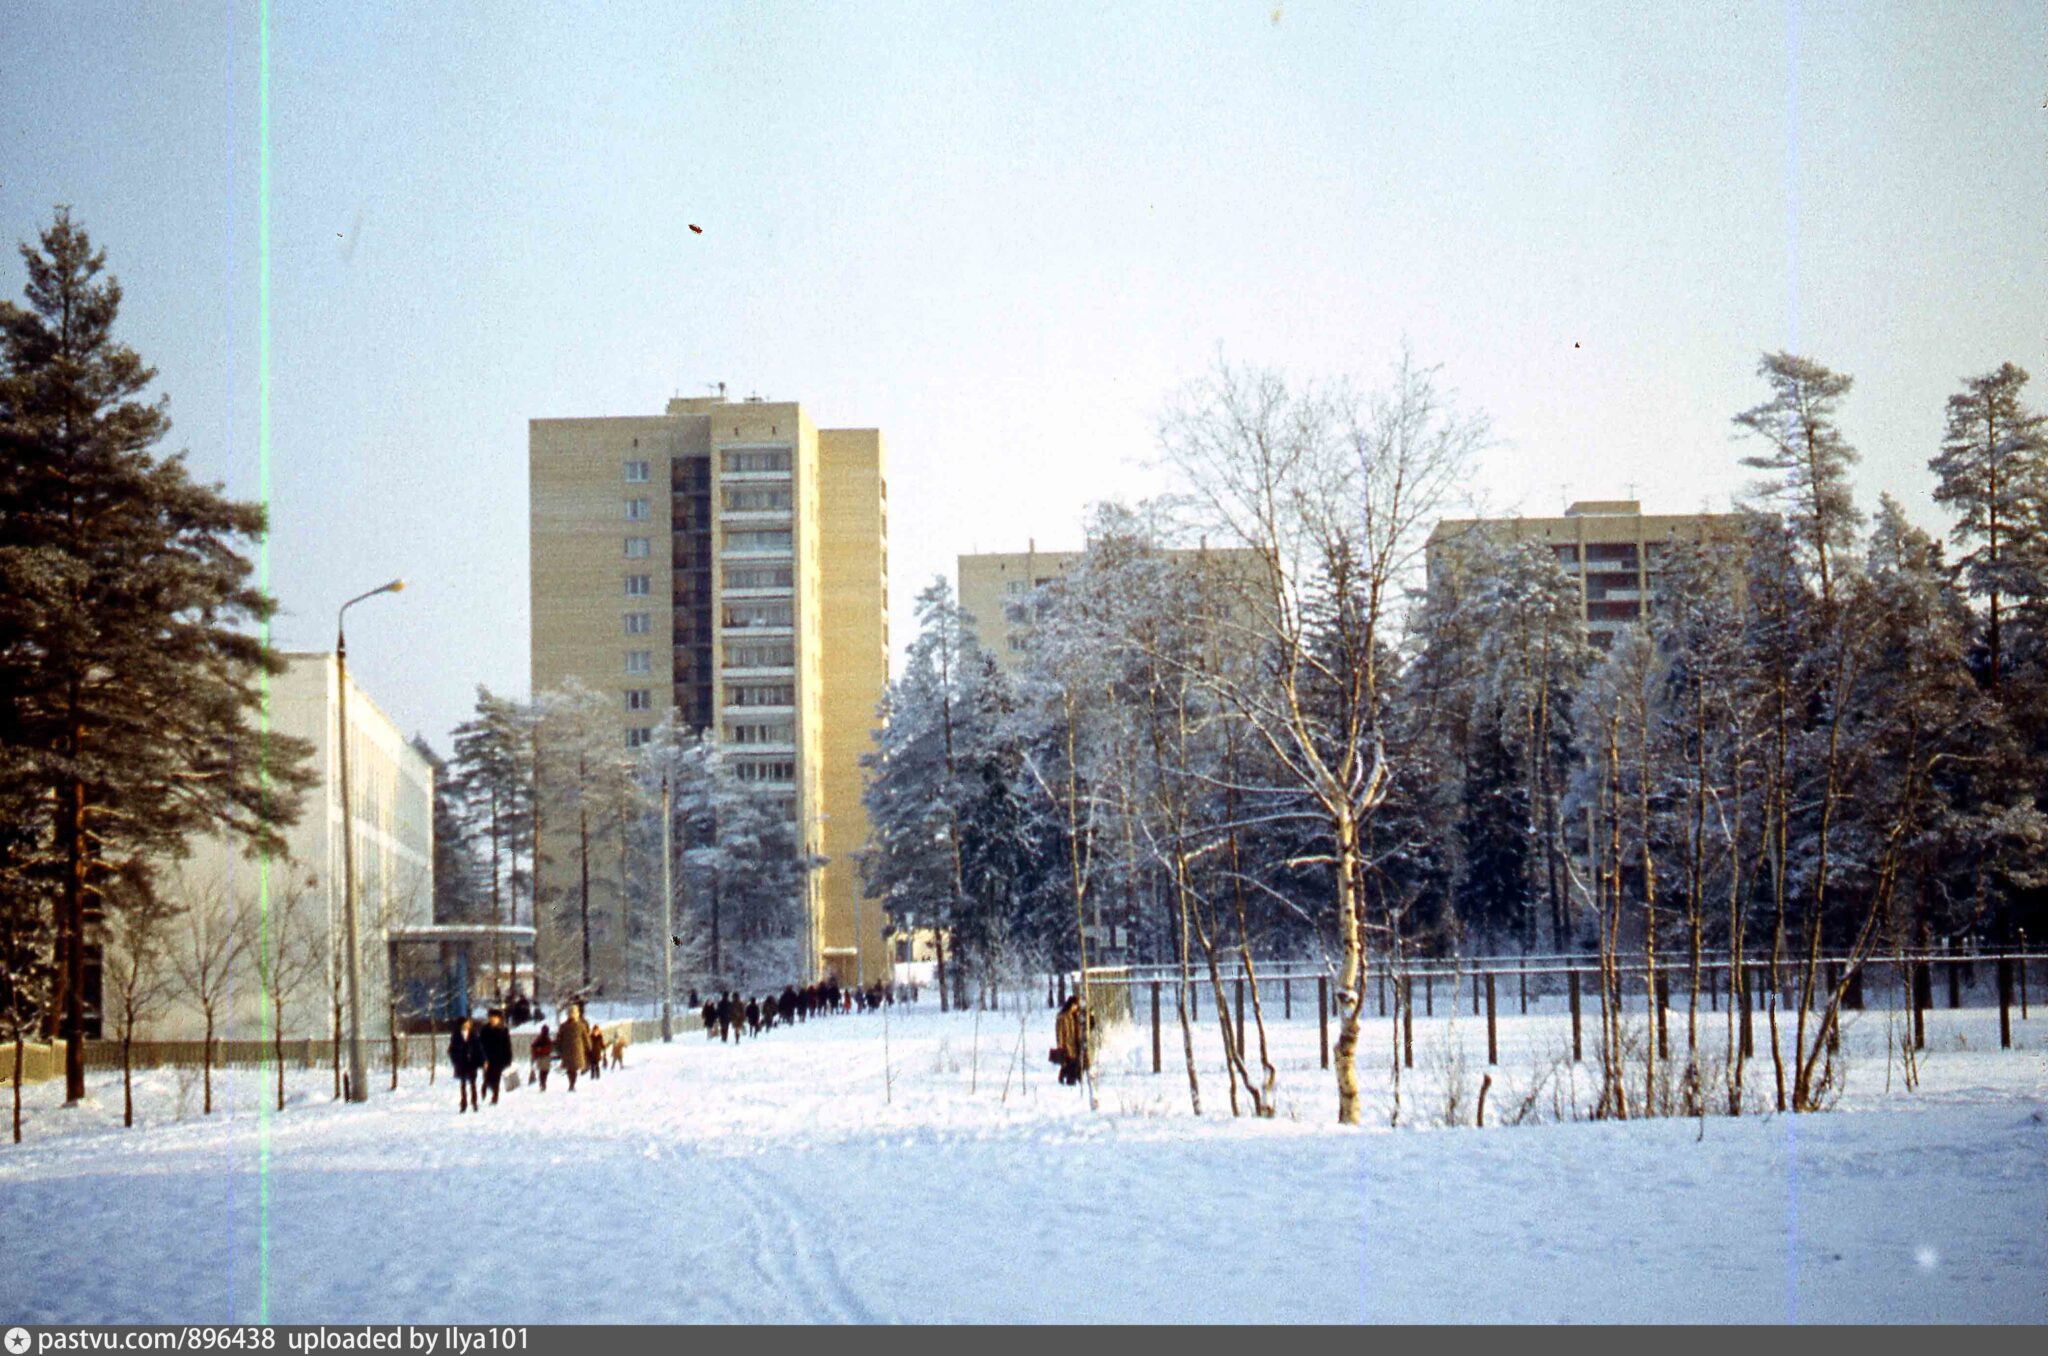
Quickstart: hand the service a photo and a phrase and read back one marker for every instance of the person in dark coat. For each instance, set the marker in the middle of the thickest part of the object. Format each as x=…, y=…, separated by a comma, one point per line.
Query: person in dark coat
x=753, y=1017
x=787, y=1007
x=572, y=1045
x=594, y=1056
x=710, y=1016
x=1070, y=1040
x=496, y=1043
x=465, y=1057
x=543, y=1055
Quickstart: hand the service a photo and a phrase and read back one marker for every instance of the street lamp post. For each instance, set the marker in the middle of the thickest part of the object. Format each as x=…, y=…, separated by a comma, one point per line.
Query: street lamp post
x=358, y=1060
x=668, y=924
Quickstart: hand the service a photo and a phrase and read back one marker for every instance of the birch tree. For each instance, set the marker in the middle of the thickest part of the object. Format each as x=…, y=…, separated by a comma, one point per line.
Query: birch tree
x=1330, y=491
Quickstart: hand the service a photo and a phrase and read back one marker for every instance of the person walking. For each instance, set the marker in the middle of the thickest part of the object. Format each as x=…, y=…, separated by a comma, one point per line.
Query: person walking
x=1070, y=1040
x=543, y=1055
x=465, y=1057
x=595, y=1057
x=710, y=1017
x=768, y=1013
x=753, y=1017
x=572, y=1045
x=497, y=1050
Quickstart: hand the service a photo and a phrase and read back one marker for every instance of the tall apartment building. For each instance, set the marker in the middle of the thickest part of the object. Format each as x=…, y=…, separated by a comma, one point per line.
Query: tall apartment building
x=995, y=590
x=1609, y=546
x=729, y=560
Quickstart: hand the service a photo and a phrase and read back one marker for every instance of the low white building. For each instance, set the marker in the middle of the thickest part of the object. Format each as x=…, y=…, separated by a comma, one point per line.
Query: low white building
x=230, y=900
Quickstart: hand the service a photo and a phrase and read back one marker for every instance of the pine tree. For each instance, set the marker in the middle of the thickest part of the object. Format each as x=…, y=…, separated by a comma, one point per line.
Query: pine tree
x=130, y=669
x=1993, y=471
x=1809, y=459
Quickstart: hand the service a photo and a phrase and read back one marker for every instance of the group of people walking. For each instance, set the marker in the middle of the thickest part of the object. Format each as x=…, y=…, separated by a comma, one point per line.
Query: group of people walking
x=728, y=1017
x=481, y=1055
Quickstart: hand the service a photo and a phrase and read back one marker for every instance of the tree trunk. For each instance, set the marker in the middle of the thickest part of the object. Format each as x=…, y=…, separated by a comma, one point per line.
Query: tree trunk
x=206, y=1066
x=1351, y=975
x=127, y=1083
x=583, y=841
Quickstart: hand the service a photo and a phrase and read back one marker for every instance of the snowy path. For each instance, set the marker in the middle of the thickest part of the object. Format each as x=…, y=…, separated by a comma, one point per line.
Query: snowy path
x=772, y=1182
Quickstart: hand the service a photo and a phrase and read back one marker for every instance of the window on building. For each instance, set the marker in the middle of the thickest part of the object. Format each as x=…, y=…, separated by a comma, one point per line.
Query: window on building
x=639, y=623
x=759, y=577
x=639, y=585
x=1016, y=643
x=639, y=699
x=742, y=461
x=757, y=498
x=636, y=548
x=638, y=736
x=636, y=510
x=636, y=473
x=1015, y=586
x=759, y=539
x=760, y=654
x=639, y=661
x=761, y=732
x=761, y=694
x=782, y=771
x=765, y=612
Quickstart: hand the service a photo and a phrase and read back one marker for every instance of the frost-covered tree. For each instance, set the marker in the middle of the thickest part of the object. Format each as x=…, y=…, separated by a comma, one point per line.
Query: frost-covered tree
x=915, y=793
x=740, y=871
x=1808, y=460
x=1330, y=492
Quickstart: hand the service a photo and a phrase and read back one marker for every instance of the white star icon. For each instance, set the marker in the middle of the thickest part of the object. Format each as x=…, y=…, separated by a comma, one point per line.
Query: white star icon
x=17, y=1340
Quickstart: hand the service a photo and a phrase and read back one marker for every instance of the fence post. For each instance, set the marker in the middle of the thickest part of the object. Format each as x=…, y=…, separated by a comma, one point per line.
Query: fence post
x=1287, y=998
x=1195, y=1001
x=1404, y=994
x=2023, y=974
x=1852, y=997
x=1323, y=1014
x=1955, y=987
x=1660, y=986
x=1923, y=999
x=2004, y=1003
x=1428, y=994
x=1240, y=1018
x=1475, y=993
x=1382, y=990
x=1492, y=1043
x=1577, y=1049
x=1748, y=1007
x=1713, y=988
x=1522, y=976
x=1155, y=1026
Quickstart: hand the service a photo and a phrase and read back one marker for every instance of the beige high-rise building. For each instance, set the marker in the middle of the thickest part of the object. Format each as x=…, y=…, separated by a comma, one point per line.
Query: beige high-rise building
x=729, y=560
x=1609, y=546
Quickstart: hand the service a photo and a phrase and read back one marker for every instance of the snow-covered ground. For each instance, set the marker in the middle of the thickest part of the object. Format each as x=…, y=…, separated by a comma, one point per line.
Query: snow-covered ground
x=790, y=1179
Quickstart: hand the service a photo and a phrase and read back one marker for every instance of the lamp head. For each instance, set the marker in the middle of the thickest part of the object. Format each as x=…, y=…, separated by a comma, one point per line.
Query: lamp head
x=395, y=586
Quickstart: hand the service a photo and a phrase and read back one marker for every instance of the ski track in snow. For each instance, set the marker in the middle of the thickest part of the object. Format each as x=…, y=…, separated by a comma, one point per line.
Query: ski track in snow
x=773, y=1182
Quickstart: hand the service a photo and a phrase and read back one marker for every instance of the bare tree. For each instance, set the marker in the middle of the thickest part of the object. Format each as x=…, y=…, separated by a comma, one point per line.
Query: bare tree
x=284, y=947
x=207, y=952
x=1330, y=491
x=136, y=982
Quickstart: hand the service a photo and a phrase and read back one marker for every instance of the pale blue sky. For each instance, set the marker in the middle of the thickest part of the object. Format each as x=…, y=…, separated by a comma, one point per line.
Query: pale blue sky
x=1003, y=234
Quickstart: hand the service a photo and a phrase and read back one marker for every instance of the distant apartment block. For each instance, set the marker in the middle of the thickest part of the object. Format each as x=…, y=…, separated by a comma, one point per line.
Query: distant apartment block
x=996, y=590
x=726, y=560
x=1610, y=547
